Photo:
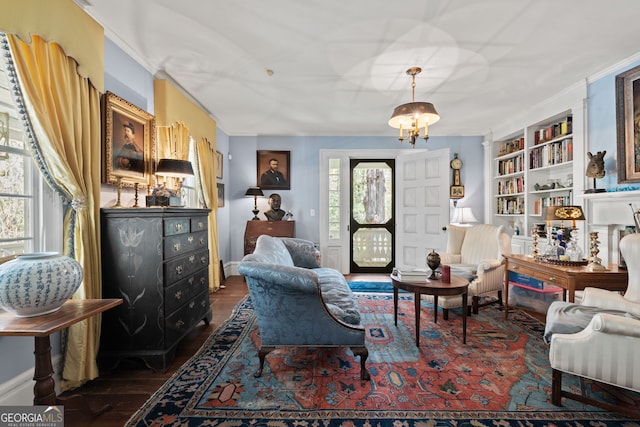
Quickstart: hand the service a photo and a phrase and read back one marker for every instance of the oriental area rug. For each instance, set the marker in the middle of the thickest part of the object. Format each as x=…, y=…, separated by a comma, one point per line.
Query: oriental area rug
x=501, y=377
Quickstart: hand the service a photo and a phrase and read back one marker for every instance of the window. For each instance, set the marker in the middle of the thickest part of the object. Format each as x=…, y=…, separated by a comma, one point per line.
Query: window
x=23, y=224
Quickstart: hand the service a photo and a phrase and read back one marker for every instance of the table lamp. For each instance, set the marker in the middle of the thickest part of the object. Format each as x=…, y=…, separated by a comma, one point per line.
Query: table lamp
x=255, y=192
x=175, y=168
x=463, y=216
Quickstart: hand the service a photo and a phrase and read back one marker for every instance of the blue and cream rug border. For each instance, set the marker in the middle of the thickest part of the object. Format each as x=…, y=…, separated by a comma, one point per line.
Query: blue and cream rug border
x=172, y=404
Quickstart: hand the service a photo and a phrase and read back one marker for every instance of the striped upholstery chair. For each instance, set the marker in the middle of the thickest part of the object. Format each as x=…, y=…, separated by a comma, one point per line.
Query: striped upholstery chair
x=475, y=253
x=607, y=349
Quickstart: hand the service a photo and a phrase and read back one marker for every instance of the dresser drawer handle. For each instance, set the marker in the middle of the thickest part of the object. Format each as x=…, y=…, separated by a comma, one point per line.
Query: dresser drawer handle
x=179, y=226
x=201, y=225
x=552, y=279
x=179, y=324
x=179, y=269
x=191, y=279
x=190, y=239
x=203, y=241
x=192, y=259
x=514, y=268
x=179, y=295
x=176, y=247
x=203, y=303
x=203, y=260
x=192, y=304
x=203, y=280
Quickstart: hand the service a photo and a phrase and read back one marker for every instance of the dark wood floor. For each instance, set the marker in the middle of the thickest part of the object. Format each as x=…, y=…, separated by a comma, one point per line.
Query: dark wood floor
x=131, y=384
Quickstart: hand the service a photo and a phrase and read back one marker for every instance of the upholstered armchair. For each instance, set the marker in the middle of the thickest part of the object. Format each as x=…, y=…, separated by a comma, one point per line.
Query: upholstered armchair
x=599, y=338
x=476, y=253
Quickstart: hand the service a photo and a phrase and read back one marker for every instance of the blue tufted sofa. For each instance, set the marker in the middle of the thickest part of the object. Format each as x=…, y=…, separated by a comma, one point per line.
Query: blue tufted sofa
x=298, y=303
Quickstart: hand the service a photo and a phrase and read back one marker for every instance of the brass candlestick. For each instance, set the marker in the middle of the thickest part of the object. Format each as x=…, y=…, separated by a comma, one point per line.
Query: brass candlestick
x=535, y=252
x=135, y=196
x=119, y=193
x=594, y=261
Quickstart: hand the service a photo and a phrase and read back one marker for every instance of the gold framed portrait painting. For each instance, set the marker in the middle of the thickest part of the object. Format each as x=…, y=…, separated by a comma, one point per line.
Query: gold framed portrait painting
x=128, y=149
x=628, y=125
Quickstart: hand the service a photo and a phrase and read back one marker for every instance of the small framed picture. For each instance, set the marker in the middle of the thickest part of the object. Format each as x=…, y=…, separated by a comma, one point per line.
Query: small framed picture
x=220, y=188
x=128, y=149
x=219, y=165
x=274, y=171
x=457, y=192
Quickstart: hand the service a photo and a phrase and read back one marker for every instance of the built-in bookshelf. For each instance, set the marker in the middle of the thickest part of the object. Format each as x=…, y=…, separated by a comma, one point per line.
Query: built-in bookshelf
x=533, y=169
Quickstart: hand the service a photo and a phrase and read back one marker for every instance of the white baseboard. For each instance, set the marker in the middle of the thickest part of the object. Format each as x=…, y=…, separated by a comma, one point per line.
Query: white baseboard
x=231, y=268
x=19, y=389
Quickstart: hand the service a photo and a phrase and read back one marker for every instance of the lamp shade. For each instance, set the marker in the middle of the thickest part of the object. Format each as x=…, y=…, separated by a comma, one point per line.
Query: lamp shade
x=405, y=114
x=174, y=167
x=563, y=213
x=254, y=191
x=463, y=215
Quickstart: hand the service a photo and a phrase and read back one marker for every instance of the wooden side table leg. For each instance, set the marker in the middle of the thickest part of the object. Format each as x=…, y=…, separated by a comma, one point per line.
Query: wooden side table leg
x=395, y=306
x=417, y=310
x=44, y=391
x=464, y=318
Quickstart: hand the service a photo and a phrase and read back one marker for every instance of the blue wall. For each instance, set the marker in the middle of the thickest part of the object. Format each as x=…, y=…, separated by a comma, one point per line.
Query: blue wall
x=601, y=125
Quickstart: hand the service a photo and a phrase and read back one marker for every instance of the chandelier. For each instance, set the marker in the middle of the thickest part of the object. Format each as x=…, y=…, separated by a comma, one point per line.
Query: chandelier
x=413, y=116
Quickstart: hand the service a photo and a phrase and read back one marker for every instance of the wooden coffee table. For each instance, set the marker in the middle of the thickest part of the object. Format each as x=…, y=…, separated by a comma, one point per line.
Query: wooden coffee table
x=458, y=286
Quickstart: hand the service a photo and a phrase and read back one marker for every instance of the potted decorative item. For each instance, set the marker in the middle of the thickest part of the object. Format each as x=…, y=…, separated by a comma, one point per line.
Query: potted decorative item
x=433, y=262
x=38, y=283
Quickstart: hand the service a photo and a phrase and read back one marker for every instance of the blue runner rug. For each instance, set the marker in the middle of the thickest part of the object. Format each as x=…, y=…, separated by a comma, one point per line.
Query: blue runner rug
x=371, y=286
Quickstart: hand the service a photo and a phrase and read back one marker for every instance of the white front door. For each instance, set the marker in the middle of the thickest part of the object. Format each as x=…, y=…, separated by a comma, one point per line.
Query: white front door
x=422, y=206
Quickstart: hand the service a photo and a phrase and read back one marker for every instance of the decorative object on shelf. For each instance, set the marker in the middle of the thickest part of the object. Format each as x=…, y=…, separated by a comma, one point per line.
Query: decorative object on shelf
x=174, y=168
x=275, y=213
x=163, y=196
x=433, y=262
x=254, y=192
x=565, y=263
x=457, y=189
x=463, y=216
x=594, y=261
x=562, y=214
x=595, y=169
x=38, y=283
x=413, y=115
x=289, y=216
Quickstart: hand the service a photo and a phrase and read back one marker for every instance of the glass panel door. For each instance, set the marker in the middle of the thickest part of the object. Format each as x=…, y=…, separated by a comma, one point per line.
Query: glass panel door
x=372, y=223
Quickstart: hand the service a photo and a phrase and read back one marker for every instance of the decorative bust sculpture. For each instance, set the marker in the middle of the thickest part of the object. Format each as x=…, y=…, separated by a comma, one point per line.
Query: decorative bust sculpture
x=275, y=213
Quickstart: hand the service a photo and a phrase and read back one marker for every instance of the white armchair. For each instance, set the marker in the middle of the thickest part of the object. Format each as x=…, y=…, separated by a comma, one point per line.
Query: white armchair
x=607, y=349
x=476, y=253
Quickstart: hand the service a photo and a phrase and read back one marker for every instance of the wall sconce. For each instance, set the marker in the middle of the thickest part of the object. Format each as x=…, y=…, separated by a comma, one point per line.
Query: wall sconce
x=255, y=192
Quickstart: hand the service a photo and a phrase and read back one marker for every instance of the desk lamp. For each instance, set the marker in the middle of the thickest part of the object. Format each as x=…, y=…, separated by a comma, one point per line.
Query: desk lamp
x=255, y=192
x=175, y=168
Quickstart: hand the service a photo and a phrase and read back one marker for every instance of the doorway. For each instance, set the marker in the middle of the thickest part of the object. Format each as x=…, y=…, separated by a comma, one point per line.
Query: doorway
x=372, y=215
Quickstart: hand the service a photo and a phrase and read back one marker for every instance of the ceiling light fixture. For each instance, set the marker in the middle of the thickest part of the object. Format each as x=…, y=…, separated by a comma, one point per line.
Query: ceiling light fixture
x=413, y=115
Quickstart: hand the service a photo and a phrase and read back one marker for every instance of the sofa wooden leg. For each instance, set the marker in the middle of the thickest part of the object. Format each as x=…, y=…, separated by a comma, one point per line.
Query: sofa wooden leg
x=476, y=303
x=500, y=298
x=556, y=387
x=363, y=353
x=262, y=353
x=445, y=313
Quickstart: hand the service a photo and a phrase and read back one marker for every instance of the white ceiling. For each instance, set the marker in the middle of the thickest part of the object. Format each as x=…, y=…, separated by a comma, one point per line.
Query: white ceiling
x=339, y=65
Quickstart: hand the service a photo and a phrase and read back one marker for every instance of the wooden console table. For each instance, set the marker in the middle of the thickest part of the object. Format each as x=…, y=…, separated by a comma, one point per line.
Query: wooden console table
x=568, y=278
x=41, y=327
x=272, y=228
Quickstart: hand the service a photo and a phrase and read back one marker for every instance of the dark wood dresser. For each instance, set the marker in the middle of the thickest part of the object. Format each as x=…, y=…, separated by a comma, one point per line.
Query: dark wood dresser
x=156, y=260
x=271, y=228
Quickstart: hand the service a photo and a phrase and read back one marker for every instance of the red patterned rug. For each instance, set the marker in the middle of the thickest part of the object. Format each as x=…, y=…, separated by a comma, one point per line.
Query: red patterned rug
x=502, y=373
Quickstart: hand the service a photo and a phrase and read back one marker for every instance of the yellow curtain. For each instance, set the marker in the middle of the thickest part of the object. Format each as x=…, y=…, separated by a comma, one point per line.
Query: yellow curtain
x=174, y=141
x=206, y=156
x=64, y=109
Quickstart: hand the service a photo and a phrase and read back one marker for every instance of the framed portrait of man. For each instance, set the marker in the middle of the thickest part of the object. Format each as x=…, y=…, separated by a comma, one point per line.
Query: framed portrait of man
x=274, y=171
x=128, y=142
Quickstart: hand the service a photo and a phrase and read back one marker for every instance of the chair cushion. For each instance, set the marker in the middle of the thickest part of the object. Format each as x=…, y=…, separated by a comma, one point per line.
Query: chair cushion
x=570, y=318
x=337, y=295
x=270, y=250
